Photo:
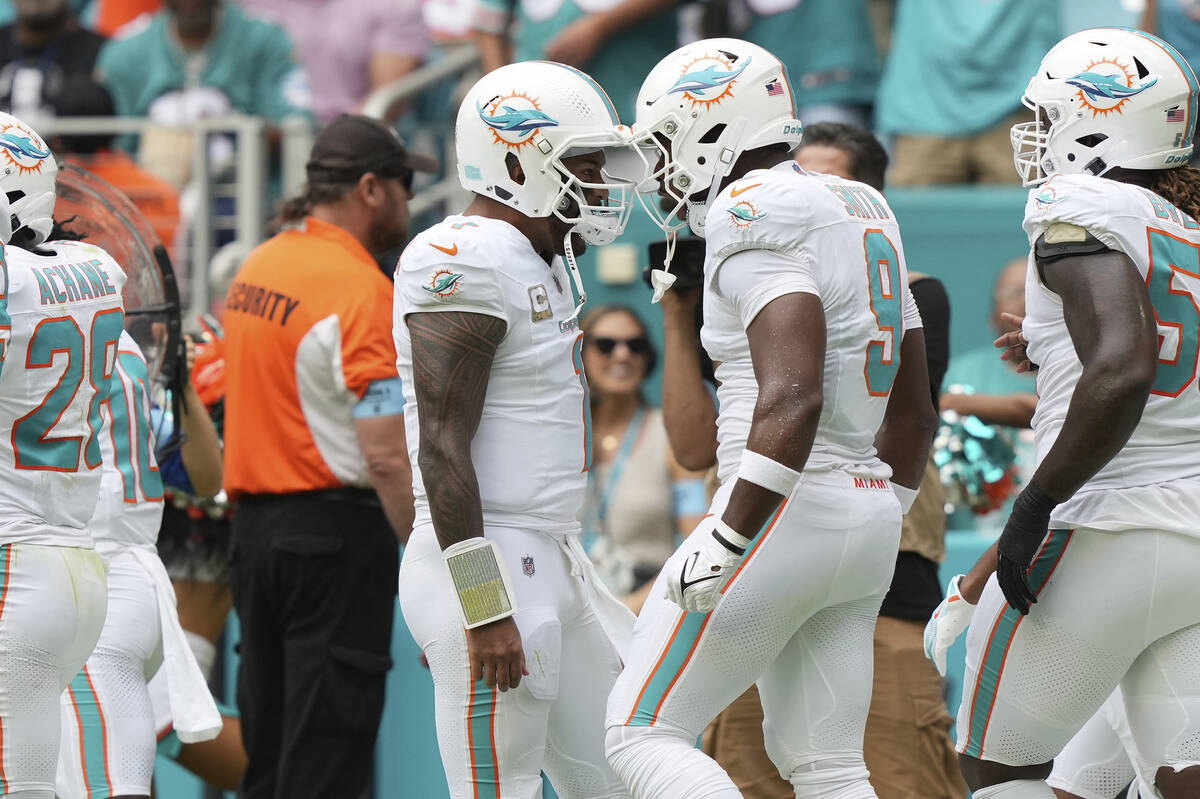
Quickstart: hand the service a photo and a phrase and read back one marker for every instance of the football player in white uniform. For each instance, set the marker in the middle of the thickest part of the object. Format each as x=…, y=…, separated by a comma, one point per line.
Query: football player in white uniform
x=817, y=342
x=59, y=352
x=1112, y=322
x=109, y=731
x=522, y=638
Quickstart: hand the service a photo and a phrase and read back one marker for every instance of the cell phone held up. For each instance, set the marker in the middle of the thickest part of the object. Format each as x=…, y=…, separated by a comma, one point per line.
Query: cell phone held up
x=687, y=265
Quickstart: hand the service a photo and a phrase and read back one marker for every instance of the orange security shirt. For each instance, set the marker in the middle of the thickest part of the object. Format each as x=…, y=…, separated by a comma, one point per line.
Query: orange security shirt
x=308, y=327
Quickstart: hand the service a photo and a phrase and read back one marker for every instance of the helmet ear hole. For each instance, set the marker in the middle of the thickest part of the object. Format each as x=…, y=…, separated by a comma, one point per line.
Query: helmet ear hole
x=712, y=134
x=1092, y=140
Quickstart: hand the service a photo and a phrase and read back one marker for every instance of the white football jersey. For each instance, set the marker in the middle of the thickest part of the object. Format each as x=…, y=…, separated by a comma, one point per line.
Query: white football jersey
x=130, y=509
x=785, y=230
x=1134, y=489
x=532, y=448
x=64, y=309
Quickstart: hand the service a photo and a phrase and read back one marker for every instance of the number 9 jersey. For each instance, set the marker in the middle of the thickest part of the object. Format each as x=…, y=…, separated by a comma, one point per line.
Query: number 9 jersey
x=1139, y=487
x=785, y=230
x=64, y=320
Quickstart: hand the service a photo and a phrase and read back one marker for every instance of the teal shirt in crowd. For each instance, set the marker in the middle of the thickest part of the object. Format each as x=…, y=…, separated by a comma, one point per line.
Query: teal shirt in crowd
x=827, y=46
x=1179, y=23
x=959, y=68
x=249, y=59
x=620, y=65
x=982, y=370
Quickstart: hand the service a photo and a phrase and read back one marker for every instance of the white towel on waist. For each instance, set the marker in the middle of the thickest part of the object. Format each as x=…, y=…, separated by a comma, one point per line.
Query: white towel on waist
x=614, y=616
x=193, y=712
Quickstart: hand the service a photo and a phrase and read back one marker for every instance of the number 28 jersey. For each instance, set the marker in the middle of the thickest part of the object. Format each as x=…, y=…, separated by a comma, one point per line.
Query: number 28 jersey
x=784, y=230
x=65, y=319
x=532, y=449
x=1137, y=488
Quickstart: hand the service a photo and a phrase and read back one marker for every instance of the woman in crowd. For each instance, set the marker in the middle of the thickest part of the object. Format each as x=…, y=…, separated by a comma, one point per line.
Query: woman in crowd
x=639, y=498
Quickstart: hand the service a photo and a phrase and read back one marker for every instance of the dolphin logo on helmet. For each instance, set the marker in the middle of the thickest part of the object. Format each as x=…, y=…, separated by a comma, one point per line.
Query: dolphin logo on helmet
x=516, y=120
x=22, y=147
x=1098, y=86
x=711, y=77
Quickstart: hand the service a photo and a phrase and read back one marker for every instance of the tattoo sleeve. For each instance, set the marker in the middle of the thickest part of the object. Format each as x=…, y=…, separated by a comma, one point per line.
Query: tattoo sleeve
x=452, y=356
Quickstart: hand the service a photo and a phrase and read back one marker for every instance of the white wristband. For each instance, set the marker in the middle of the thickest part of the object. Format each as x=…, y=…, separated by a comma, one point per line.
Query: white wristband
x=770, y=474
x=480, y=581
x=907, y=497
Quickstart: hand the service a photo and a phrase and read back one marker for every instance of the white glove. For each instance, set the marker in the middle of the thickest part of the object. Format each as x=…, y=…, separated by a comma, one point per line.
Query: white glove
x=947, y=623
x=695, y=574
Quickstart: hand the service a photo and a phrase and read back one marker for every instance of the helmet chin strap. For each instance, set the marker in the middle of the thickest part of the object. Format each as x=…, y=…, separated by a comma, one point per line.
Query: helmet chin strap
x=573, y=271
x=661, y=279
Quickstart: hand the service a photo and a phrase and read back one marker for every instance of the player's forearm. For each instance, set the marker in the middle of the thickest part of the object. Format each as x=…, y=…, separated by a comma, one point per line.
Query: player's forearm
x=1105, y=408
x=201, y=450
x=452, y=489
x=688, y=411
x=910, y=422
x=972, y=583
x=783, y=430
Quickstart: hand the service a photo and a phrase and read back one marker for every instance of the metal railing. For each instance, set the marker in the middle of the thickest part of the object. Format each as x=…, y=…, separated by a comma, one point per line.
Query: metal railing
x=454, y=63
x=244, y=181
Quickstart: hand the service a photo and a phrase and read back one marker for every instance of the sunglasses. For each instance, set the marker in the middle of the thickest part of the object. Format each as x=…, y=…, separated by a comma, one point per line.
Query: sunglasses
x=637, y=346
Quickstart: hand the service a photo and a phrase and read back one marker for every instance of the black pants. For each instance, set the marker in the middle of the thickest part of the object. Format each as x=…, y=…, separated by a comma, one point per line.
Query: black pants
x=314, y=584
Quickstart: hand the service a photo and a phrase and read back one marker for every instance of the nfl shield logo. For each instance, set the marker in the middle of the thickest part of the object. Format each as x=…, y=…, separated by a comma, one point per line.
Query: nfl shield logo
x=527, y=565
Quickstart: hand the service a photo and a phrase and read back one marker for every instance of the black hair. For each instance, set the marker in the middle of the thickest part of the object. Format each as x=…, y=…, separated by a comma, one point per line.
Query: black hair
x=868, y=159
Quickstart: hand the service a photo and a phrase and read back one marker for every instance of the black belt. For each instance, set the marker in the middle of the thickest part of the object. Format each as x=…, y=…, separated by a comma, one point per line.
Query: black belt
x=349, y=494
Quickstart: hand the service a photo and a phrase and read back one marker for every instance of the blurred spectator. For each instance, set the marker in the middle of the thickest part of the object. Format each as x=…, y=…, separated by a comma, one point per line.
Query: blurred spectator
x=316, y=460
x=1177, y=21
x=617, y=42
x=952, y=86
x=979, y=384
x=155, y=198
x=349, y=48
x=198, y=59
x=639, y=498
x=112, y=15
x=828, y=47
x=1001, y=395
x=39, y=52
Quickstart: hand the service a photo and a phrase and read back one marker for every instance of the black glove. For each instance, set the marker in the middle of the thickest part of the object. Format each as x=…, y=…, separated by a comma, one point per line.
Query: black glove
x=1023, y=535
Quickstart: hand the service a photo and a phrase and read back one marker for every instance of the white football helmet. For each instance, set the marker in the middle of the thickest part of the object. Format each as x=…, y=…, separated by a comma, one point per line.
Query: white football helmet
x=1104, y=98
x=538, y=113
x=698, y=110
x=27, y=173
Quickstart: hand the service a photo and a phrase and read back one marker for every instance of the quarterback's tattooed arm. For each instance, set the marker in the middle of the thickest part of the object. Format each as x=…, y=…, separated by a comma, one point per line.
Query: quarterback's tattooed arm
x=452, y=356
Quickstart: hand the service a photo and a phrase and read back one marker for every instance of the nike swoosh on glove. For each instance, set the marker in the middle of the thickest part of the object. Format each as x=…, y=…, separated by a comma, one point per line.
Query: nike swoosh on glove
x=947, y=623
x=1018, y=546
x=695, y=574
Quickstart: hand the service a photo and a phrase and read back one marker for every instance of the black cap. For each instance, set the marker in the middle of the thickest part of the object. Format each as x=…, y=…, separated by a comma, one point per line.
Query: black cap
x=353, y=145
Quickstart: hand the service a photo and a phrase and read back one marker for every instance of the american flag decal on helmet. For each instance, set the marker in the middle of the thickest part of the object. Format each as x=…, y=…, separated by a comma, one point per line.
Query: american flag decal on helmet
x=1176, y=114
x=774, y=88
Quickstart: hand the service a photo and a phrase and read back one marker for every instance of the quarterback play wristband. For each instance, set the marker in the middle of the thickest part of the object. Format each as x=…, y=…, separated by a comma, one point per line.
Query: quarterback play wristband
x=907, y=497
x=480, y=581
x=770, y=474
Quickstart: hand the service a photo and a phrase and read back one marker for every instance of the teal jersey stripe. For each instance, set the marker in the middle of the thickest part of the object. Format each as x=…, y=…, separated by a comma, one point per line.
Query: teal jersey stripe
x=682, y=644
x=608, y=104
x=672, y=663
x=1188, y=74
x=481, y=741
x=93, y=741
x=1003, y=631
x=5, y=563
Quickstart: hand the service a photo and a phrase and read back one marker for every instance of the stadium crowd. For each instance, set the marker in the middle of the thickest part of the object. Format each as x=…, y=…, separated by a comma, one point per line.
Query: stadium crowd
x=288, y=498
